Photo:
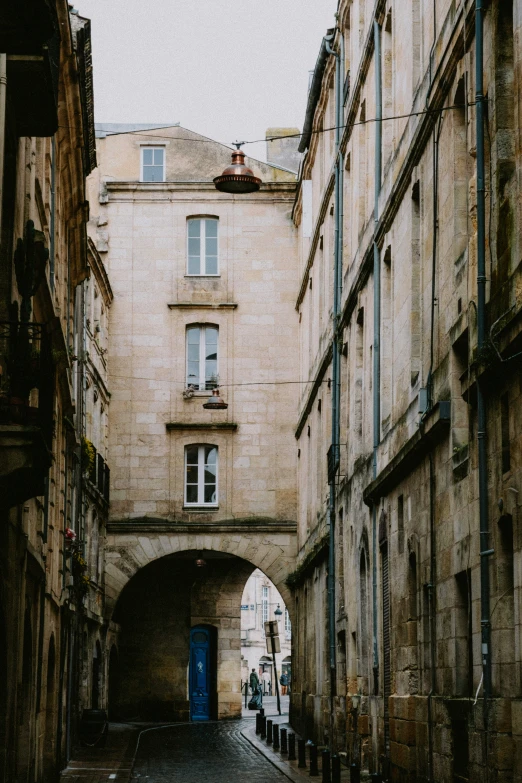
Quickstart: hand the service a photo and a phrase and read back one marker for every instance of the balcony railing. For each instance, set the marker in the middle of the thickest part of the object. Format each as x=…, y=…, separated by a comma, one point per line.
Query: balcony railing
x=26, y=377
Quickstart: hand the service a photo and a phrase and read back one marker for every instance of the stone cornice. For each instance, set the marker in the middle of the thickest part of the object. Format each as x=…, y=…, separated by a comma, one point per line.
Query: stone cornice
x=141, y=190
x=247, y=525
x=202, y=306
x=212, y=426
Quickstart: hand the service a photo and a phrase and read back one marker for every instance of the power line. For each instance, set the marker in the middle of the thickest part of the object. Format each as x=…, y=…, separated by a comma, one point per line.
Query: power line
x=292, y=135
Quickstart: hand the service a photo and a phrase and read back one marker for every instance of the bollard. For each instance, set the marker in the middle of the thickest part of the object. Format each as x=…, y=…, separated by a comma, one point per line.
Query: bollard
x=376, y=777
x=258, y=723
x=314, y=769
x=291, y=747
x=269, y=735
x=262, y=711
x=301, y=752
x=325, y=766
x=263, y=726
x=284, y=741
x=336, y=768
x=276, y=736
x=355, y=773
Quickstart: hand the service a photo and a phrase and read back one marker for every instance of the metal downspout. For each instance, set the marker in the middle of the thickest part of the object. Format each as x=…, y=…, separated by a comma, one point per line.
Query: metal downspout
x=481, y=339
x=3, y=101
x=376, y=334
x=53, y=213
x=335, y=371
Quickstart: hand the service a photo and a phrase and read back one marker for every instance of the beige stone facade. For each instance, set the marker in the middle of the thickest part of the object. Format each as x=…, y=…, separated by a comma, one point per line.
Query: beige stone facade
x=168, y=317
x=408, y=698
x=46, y=152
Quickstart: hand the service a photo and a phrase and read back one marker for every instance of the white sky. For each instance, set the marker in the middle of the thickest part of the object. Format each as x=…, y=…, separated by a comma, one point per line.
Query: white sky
x=223, y=68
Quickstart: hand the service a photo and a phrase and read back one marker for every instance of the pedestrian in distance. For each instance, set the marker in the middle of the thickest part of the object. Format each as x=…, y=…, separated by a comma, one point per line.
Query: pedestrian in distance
x=253, y=680
x=283, y=681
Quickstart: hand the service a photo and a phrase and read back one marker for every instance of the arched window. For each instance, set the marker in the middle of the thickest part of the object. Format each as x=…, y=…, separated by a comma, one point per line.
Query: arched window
x=201, y=475
x=202, y=246
x=202, y=356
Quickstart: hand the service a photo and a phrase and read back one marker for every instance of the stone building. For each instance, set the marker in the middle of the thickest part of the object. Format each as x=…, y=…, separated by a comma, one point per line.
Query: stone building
x=259, y=603
x=47, y=148
x=409, y=659
x=204, y=288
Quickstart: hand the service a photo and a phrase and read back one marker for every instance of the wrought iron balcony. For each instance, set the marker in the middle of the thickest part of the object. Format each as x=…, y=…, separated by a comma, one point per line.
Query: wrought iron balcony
x=26, y=410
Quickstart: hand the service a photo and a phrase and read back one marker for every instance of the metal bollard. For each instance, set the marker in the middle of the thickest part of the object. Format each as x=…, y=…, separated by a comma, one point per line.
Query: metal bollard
x=263, y=726
x=314, y=769
x=376, y=777
x=276, y=736
x=284, y=741
x=269, y=734
x=355, y=773
x=291, y=747
x=325, y=766
x=301, y=753
x=258, y=723
x=336, y=768
x=262, y=711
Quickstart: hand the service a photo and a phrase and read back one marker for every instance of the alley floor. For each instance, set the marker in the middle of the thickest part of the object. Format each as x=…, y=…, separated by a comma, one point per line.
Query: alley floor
x=217, y=752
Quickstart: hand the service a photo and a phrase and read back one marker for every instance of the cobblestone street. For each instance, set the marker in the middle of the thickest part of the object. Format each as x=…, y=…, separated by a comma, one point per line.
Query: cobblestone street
x=215, y=752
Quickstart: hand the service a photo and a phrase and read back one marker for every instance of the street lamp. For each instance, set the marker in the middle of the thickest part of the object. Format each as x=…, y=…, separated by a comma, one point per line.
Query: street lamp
x=215, y=402
x=237, y=178
x=278, y=612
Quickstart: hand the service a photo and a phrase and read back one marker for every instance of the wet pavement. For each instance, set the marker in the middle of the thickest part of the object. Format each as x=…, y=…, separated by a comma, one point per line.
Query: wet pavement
x=214, y=752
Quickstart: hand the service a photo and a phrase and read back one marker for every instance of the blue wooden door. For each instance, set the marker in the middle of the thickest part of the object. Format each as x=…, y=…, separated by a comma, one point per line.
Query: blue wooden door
x=200, y=674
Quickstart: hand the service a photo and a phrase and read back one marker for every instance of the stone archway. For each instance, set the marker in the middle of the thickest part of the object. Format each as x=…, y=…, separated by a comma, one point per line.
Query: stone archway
x=131, y=545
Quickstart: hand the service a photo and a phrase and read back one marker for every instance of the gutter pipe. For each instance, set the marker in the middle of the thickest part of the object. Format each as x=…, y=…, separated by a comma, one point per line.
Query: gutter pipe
x=376, y=334
x=336, y=369
x=481, y=339
x=315, y=90
x=3, y=101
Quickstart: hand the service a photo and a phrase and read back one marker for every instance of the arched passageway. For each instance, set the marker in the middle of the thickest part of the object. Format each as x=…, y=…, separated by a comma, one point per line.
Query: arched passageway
x=3, y=698
x=49, y=750
x=156, y=612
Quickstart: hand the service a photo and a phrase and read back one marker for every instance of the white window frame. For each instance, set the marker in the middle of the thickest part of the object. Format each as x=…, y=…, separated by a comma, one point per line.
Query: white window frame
x=265, y=595
x=201, y=383
x=201, y=476
x=153, y=148
x=202, y=244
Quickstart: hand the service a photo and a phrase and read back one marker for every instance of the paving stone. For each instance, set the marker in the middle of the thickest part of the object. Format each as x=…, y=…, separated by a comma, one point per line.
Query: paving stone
x=215, y=752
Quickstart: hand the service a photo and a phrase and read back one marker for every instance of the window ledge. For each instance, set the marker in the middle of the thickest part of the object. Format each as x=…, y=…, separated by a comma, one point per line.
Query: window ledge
x=215, y=425
x=202, y=306
x=199, y=276
x=200, y=509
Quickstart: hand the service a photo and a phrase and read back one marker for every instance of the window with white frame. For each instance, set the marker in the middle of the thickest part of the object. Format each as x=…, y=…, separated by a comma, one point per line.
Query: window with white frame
x=264, y=604
x=202, y=246
x=202, y=356
x=153, y=164
x=288, y=625
x=201, y=475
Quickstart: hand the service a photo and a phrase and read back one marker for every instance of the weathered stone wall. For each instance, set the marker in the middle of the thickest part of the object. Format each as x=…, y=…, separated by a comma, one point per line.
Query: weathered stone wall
x=426, y=530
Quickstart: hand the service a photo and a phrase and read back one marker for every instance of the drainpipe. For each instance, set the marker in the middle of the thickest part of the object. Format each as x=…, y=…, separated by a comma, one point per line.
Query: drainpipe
x=481, y=339
x=376, y=333
x=3, y=100
x=336, y=368
x=53, y=211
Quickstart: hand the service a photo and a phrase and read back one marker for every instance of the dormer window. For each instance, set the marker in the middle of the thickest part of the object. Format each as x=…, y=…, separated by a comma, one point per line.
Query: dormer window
x=153, y=164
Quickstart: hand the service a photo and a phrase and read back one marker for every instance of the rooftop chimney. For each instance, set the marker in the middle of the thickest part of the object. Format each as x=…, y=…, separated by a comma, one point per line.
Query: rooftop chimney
x=283, y=151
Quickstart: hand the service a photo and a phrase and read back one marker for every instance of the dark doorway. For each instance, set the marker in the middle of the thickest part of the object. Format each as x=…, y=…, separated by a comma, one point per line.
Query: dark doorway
x=202, y=672
x=96, y=671
x=3, y=697
x=50, y=712
x=113, y=683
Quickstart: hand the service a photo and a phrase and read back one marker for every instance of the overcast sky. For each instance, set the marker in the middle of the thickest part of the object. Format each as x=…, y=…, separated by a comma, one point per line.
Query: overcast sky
x=223, y=68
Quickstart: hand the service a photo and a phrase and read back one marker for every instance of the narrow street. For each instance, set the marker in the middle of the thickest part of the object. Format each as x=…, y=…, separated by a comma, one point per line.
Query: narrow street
x=215, y=752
